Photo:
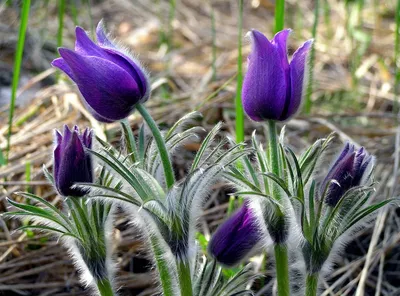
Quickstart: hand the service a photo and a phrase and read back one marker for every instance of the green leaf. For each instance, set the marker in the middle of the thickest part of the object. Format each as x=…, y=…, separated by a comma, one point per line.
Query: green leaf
x=47, y=204
x=204, y=145
x=48, y=175
x=281, y=183
x=130, y=140
x=36, y=211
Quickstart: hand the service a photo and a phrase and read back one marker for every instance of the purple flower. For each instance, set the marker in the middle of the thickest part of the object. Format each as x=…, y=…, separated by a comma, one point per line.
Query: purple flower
x=273, y=88
x=72, y=163
x=347, y=172
x=235, y=238
x=110, y=81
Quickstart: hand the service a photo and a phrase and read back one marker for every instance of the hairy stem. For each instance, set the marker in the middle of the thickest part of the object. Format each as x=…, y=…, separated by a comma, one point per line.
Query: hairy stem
x=162, y=148
x=105, y=288
x=311, y=284
x=282, y=269
x=185, y=280
x=281, y=254
x=162, y=267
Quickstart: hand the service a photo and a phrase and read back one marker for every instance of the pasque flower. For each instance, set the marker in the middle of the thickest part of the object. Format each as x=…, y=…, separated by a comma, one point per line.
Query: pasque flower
x=72, y=163
x=110, y=81
x=273, y=87
x=347, y=171
x=235, y=238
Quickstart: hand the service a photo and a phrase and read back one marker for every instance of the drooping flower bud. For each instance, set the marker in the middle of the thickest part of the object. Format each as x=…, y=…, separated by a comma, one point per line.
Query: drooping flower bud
x=110, y=81
x=72, y=163
x=273, y=88
x=235, y=238
x=347, y=172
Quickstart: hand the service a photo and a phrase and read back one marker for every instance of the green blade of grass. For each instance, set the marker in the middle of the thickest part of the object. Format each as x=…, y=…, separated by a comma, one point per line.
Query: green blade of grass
x=61, y=11
x=309, y=90
x=17, y=68
x=279, y=15
x=74, y=12
x=238, y=100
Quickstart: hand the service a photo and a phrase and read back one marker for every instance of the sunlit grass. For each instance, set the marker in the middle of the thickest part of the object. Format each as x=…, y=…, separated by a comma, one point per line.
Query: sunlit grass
x=17, y=68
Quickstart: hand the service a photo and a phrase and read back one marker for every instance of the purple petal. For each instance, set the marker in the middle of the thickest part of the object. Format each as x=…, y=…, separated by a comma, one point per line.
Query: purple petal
x=344, y=175
x=86, y=47
x=57, y=153
x=280, y=42
x=63, y=66
x=235, y=238
x=359, y=173
x=101, y=35
x=106, y=87
x=72, y=168
x=66, y=138
x=297, y=73
x=264, y=89
x=134, y=69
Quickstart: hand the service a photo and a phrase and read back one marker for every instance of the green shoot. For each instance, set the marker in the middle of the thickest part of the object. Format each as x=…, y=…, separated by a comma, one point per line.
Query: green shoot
x=17, y=69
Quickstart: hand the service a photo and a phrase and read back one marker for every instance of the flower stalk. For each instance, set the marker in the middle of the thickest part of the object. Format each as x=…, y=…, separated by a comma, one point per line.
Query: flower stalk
x=311, y=284
x=185, y=280
x=105, y=288
x=281, y=253
x=282, y=269
x=162, y=267
x=162, y=148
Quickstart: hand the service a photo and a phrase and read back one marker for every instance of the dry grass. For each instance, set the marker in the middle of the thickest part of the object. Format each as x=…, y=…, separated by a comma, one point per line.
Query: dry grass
x=37, y=265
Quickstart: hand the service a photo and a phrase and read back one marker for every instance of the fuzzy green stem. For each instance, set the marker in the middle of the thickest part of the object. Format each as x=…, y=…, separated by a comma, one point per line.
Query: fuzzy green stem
x=274, y=155
x=238, y=100
x=162, y=148
x=311, y=284
x=185, y=280
x=162, y=267
x=282, y=269
x=281, y=253
x=105, y=287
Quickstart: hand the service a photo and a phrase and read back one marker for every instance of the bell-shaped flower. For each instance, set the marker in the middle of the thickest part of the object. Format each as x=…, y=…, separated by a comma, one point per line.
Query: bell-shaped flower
x=236, y=237
x=72, y=163
x=110, y=81
x=273, y=87
x=350, y=169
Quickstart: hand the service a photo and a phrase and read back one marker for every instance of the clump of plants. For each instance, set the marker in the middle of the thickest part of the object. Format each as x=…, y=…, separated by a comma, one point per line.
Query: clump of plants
x=286, y=208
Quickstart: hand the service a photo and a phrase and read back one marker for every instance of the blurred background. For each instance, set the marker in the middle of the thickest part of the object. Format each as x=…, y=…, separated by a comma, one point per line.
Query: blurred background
x=191, y=51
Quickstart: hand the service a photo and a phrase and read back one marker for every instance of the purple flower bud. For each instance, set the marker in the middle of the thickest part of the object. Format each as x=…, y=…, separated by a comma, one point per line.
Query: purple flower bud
x=347, y=171
x=235, y=238
x=110, y=81
x=72, y=163
x=273, y=88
